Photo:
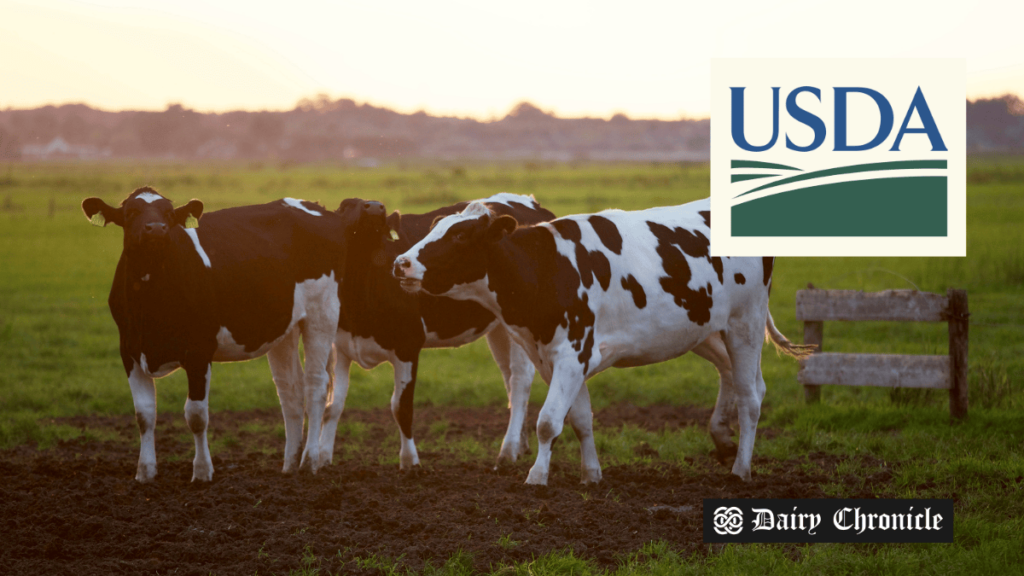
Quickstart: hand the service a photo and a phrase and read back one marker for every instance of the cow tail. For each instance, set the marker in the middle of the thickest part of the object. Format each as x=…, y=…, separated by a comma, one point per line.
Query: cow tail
x=783, y=344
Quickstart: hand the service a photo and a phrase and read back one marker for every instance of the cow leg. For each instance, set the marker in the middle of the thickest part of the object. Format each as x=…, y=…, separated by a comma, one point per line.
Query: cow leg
x=581, y=417
x=401, y=408
x=762, y=388
x=317, y=344
x=517, y=371
x=197, y=415
x=713, y=350
x=286, y=369
x=334, y=409
x=566, y=381
x=144, y=397
x=743, y=340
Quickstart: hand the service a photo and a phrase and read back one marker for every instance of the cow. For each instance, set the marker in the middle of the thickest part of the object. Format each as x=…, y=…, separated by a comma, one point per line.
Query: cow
x=588, y=292
x=381, y=322
x=248, y=282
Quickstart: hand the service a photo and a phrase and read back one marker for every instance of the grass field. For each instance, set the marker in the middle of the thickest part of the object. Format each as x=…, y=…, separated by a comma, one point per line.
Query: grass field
x=58, y=343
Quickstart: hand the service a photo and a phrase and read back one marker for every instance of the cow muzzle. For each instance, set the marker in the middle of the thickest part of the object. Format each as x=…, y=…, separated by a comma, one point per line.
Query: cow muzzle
x=152, y=235
x=154, y=231
x=404, y=271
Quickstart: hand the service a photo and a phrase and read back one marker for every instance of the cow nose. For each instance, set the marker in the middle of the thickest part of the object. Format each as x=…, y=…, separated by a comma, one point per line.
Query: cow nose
x=401, y=265
x=156, y=228
x=373, y=208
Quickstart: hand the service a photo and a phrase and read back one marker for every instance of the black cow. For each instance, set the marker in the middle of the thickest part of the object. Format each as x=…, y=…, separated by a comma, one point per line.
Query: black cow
x=380, y=322
x=246, y=283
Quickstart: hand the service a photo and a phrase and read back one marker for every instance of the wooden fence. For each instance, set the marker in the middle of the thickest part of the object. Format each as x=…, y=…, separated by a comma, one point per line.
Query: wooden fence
x=814, y=307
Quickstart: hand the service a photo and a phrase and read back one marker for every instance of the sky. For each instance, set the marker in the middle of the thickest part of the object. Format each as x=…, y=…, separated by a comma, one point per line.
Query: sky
x=645, y=59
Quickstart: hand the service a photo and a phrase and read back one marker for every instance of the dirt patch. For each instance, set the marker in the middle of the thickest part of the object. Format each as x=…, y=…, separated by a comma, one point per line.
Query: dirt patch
x=76, y=509
x=654, y=418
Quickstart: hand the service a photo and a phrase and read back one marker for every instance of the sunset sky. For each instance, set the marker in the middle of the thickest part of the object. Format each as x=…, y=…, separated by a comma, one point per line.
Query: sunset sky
x=465, y=58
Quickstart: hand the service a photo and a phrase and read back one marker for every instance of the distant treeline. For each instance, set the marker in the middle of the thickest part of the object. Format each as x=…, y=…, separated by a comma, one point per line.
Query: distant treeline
x=322, y=129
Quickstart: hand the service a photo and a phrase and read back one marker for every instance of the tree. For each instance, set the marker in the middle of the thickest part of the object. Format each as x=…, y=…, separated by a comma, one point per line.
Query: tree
x=10, y=146
x=526, y=111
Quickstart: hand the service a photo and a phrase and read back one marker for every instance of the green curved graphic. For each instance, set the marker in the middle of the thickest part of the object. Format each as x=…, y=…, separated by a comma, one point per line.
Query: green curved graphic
x=756, y=164
x=907, y=206
x=857, y=168
x=742, y=177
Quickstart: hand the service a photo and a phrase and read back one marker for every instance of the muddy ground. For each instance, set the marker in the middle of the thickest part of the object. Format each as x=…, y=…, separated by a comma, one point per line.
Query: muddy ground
x=74, y=508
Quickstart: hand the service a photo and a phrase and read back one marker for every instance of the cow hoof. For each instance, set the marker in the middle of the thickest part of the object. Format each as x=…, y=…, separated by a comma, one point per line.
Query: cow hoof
x=406, y=463
x=291, y=465
x=504, y=465
x=590, y=476
x=308, y=466
x=326, y=449
x=726, y=455
x=506, y=458
x=202, y=471
x=309, y=463
x=145, y=473
x=537, y=478
x=743, y=475
x=412, y=473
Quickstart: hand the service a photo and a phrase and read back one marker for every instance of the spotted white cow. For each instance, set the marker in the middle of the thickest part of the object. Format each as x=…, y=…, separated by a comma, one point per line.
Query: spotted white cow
x=248, y=282
x=380, y=322
x=585, y=293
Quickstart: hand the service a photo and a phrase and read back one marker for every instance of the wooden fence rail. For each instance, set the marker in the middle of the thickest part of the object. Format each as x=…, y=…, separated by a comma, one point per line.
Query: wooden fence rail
x=814, y=307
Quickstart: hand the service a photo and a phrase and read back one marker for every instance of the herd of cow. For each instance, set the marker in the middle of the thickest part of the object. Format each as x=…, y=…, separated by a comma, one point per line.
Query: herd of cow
x=569, y=297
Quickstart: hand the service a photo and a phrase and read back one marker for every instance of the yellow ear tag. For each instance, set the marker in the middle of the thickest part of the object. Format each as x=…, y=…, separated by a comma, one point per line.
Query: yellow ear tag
x=98, y=219
x=393, y=235
x=191, y=222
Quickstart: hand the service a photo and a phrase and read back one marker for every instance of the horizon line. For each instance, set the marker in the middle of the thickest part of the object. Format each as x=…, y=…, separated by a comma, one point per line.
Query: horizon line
x=405, y=110
x=397, y=109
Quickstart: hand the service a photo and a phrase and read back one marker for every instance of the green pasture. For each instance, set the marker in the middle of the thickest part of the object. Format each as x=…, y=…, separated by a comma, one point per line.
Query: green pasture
x=59, y=346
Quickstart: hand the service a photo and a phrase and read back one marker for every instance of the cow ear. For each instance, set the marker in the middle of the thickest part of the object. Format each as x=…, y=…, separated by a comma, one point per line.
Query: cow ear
x=501, y=226
x=189, y=214
x=394, y=224
x=100, y=214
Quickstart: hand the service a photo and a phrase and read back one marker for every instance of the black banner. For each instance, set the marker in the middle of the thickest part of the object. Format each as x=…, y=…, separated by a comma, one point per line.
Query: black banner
x=816, y=520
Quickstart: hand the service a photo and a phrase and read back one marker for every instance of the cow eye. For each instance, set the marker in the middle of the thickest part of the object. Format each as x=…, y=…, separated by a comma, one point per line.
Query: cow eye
x=461, y=237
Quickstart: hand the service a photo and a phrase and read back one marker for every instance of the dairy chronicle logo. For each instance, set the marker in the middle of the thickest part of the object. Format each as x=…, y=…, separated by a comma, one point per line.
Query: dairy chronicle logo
x=728, y=520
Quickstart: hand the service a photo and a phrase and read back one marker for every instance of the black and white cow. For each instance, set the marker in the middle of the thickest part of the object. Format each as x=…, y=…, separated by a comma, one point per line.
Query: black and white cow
x=380, y=322
x=246, y=283
x=585, y=293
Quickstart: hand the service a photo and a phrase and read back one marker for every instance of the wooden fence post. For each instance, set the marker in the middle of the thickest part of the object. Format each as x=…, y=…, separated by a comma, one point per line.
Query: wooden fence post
x=814, y=307
x=814, y=333
x=958, y=326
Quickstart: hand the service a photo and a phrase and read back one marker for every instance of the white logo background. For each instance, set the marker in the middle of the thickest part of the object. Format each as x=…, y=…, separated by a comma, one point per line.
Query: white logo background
x=943, y=83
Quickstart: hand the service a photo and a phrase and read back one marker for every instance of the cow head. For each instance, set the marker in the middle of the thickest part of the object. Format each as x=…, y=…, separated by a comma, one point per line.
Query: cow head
x=146, y=216
x=454, y=252
x=371, y=228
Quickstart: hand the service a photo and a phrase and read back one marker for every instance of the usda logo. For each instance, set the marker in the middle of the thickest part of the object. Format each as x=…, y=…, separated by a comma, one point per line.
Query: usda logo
x=838, y=157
